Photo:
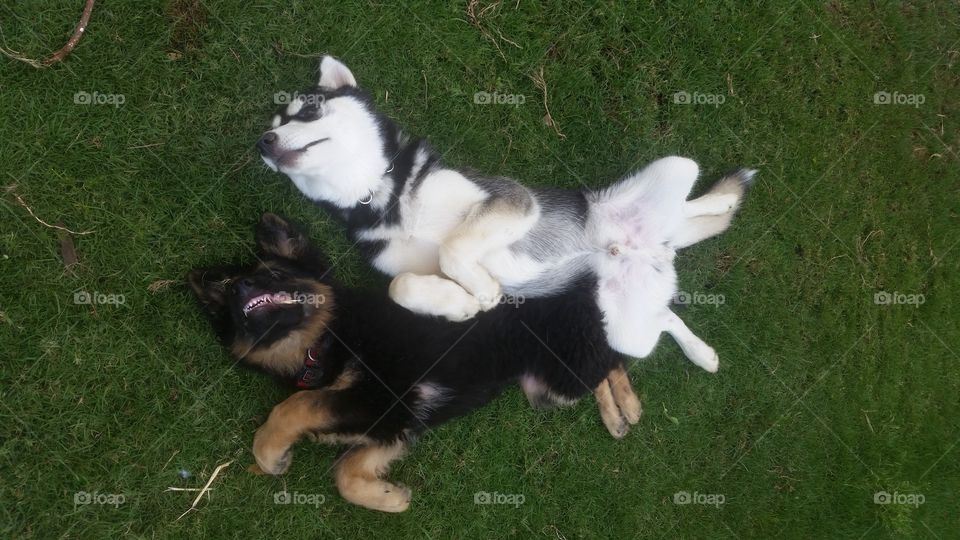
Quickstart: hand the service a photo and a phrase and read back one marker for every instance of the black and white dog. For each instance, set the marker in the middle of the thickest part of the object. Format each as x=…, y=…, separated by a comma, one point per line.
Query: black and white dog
x=457, y=241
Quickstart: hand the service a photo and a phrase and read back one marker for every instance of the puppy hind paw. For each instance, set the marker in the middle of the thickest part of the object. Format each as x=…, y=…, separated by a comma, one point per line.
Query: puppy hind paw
x=617, y=427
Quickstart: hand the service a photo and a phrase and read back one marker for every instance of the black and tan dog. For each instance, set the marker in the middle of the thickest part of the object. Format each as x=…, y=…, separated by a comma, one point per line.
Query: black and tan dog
x=375, y=375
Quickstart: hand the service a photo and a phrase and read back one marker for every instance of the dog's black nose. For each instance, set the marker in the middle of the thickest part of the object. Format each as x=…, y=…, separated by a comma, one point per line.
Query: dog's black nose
x=265, y=144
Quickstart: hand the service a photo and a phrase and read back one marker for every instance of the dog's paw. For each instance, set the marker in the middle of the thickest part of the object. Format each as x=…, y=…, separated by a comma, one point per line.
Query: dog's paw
x=490, y=295
x=271, y=458
x=713, y=365
x=275, y=463
x=704, y=356
x=433, y=295
x=462, y=312
x=396, y=498
x=709, y=362
x=631, y=410
x=616, y=426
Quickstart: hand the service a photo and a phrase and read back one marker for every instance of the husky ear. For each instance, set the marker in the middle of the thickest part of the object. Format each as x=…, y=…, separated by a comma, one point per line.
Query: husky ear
x=333, y=74
x=209, y=285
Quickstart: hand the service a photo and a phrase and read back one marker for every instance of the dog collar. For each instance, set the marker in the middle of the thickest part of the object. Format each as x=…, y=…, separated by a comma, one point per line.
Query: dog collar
x=311, y=374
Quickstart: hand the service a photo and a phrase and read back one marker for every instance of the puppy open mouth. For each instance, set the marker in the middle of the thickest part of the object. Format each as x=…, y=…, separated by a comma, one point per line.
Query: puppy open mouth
x=267, y=300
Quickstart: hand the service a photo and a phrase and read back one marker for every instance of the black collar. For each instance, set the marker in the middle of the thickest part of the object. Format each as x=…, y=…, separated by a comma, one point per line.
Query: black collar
x=311, y=374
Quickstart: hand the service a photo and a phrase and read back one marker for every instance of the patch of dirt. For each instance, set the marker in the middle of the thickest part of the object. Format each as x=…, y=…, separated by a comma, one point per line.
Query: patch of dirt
x=188, y=20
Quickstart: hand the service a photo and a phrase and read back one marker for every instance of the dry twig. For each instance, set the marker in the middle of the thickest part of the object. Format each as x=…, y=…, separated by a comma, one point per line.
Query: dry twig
x=206, y=487
x=63, y=51
x=541, y=83
x=11, y=190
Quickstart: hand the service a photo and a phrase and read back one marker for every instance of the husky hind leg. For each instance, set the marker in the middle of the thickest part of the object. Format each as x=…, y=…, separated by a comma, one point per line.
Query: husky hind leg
x=693, y=347
x=490, y=227
x=648, y=203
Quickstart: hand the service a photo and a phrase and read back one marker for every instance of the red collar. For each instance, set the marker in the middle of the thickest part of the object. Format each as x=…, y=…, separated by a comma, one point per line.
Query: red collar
x=311, y=374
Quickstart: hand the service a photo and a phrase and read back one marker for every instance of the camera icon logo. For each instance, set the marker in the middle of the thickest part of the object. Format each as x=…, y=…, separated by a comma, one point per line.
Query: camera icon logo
x=282, y=497
x=882, y=497
x=882, y=98
x=482, y=98
x=83, y=98
x=682, y=497
x=882, y=298
x=682, y=98
x=82, y=297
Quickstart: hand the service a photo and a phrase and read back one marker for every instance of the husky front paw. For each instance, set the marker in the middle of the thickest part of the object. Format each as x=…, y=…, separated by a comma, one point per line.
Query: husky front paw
x=490, y=297
x=433, y=295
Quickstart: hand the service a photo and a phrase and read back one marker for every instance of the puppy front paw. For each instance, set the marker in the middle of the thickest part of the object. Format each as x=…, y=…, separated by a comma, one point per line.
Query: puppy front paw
x=271, y=458
x=396, y=498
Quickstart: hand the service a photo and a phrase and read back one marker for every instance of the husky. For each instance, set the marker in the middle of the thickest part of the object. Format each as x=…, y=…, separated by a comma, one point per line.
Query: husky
x=458, y=242
x=369, y=373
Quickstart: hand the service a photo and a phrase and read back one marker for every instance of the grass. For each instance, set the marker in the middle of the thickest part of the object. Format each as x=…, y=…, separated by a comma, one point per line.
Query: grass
x=824, y=397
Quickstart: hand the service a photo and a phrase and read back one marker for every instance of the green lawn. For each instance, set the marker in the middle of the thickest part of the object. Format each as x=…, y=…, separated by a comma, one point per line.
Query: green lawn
x=825, y=397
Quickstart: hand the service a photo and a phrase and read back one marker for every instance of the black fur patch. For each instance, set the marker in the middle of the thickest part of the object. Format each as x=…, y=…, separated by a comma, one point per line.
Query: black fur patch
x=558, y=340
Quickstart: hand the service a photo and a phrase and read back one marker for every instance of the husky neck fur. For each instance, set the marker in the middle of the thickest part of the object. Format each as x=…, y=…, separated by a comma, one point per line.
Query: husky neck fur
x=478, y=238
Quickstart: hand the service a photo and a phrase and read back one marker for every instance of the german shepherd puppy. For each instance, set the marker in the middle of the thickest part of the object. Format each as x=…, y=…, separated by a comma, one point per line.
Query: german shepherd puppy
x=374, y=375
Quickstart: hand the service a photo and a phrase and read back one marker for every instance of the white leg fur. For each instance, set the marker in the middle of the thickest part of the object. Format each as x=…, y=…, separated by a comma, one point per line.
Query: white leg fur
x=461, y=252
x=433, y=295
x=696, y=350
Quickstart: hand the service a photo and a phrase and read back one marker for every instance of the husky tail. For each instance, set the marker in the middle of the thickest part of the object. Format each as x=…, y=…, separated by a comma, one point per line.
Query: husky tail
x=710, y=214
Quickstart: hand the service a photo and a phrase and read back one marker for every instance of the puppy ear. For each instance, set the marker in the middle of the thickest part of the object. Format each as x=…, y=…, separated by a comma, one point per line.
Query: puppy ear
x=209, y=285
x=277, y=236
x=333, y=74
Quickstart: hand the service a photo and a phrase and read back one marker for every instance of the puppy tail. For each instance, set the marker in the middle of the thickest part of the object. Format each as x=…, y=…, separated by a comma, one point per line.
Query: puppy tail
x=711, y=214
